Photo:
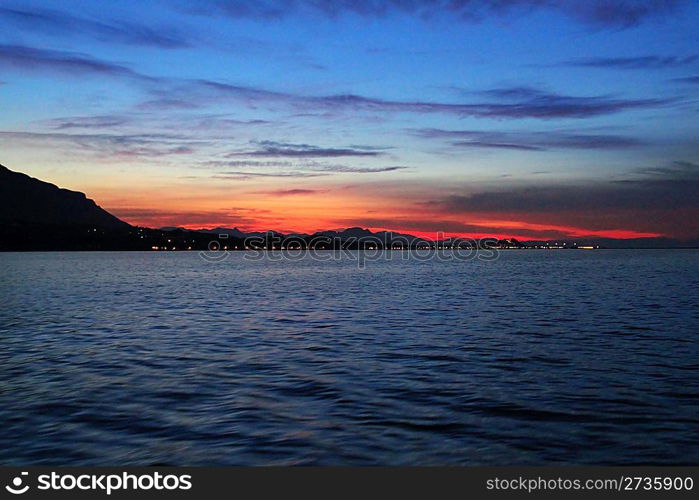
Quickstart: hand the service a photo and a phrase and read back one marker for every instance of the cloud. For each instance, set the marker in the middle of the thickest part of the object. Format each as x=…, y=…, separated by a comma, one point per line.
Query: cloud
x=661, y=192
x=597, y=13
x=87, y=122
x=243, y=175
x=357, y=170
x=221, y=122
x=174, y=93
x=214, y=126
x=541, y=105
x=642, y=62
x=110, y=145
x=292, y=169
x=530, y=141
x=688, y=79
x=619, y=13
x=511, y=102
x=659, y=200
x=291, y=192
x=298, y=163
x=281, y=149
x=249, y=163
x=70, y=63
x=676, y=170
x=53, y=22
x=154, y=152
x=166, y=104
x=149, y=217
x=496, y=145
x=530, y=102
x=64, y=24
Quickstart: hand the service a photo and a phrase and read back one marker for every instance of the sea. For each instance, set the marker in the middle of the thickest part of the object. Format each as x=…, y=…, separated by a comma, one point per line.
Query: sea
x=523, y=357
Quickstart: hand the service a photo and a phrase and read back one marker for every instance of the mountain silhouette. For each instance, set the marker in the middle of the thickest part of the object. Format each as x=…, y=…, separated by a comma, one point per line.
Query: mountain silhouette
x=29, y=201
x=231, y=232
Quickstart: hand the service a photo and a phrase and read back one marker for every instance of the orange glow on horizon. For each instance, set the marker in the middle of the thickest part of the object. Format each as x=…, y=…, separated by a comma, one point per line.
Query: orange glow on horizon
x=309, y=225
x=316, y=208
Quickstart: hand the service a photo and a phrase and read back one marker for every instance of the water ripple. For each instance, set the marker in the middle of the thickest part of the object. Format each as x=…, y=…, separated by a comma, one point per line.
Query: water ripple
x=164, y=359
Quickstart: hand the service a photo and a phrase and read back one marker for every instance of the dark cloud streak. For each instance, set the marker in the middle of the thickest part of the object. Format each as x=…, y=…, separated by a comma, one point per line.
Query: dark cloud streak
x=688, y=79
x=303, y=168
x=642, y=62
x=87, y=122
x=671, y=187
x=530, y=141
x=64, y=24
x=280, y=149
x=71, y=63
x=512, y=103
x=290, y=192
x=111, y=145
x=597, y=13
x=243, y=175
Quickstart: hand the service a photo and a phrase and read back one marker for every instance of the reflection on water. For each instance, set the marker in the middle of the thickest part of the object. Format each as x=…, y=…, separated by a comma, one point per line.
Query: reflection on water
x=536, y=358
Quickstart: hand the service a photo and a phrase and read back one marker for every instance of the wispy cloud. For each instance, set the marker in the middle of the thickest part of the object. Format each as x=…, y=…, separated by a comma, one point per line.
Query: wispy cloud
x=641, y=62
x=248, y=163
x=172, y=93
x=357, y=170
x=599, y=13
x=676, y=170
x=529, y=141
x=618, y=13
x=282, y=149
x=244, y=175
x=688, y=79
x=514, y=102
x=218, y=122
x=69, y=63
x=110, y=145
x=530, y=102
x=87, y=122
x=166, y=104
x=291, y=192
x=150, y=217
x=54, y=22
x=296, y=168
x=542, y=106
x=71, y=25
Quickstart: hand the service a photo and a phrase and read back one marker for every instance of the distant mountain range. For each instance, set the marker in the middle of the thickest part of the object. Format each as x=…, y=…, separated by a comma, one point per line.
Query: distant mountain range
x=342, y=234
x=37, y=215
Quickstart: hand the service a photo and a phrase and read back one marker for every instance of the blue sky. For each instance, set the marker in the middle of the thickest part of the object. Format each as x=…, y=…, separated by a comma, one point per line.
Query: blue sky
x=537, y=119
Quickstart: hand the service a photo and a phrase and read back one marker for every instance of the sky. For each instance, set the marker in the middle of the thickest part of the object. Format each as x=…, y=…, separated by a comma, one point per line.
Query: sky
x=535, y=119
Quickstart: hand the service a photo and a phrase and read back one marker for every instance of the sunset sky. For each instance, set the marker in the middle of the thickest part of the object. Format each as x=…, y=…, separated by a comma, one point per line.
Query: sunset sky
x=529, y=118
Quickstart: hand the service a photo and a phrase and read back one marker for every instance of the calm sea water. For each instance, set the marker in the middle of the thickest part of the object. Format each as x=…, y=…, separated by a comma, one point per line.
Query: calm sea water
x=558, y=357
